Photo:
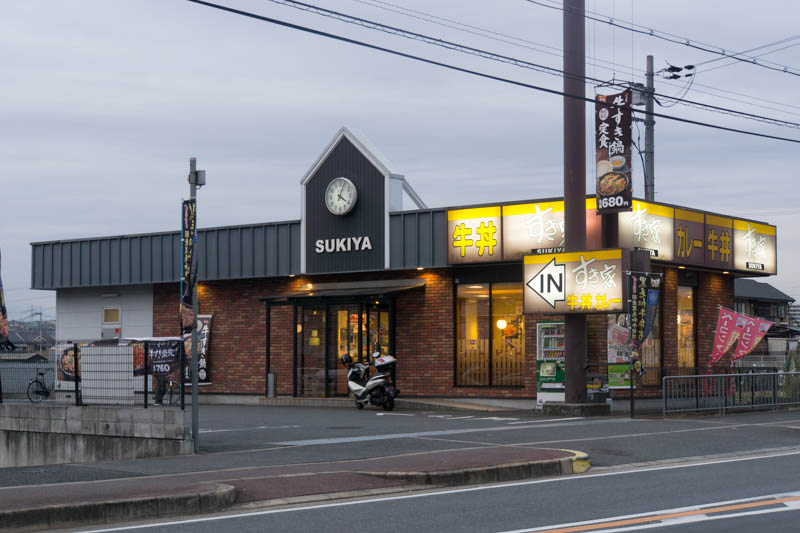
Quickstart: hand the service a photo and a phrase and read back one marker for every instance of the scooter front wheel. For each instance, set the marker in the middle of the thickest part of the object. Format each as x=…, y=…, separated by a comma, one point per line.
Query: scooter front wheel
x=359, y=405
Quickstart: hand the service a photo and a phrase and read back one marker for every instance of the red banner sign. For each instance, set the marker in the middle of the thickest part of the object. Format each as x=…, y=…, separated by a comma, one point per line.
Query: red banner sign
x=753, y=330
x=726, y=334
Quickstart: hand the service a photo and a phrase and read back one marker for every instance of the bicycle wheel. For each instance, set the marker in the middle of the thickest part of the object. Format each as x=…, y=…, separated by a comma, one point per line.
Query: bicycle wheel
x=37, y=391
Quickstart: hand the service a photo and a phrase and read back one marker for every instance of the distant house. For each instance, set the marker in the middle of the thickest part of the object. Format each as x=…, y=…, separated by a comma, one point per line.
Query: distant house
x=762, y=300
x=32, y=337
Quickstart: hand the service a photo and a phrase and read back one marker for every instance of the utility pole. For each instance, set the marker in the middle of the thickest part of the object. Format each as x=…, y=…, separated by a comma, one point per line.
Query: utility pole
x=196, y=179
x=649, y=141
x=574, y=38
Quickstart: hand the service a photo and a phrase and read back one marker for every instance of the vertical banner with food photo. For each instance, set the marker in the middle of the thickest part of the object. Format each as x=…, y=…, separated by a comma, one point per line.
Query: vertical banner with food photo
x=613, y=152
x=189, y=263
x=618, y=344
x=644, y=295
x=203, y=339
x=69, y=361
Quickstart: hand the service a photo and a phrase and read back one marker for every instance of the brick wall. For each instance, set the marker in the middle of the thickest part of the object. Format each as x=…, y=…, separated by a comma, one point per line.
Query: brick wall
x=712, y=290
x=425, y=332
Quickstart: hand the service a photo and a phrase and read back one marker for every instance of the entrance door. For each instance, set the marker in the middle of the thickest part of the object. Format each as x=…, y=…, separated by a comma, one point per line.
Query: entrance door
x=357, y=330
x=312, y=334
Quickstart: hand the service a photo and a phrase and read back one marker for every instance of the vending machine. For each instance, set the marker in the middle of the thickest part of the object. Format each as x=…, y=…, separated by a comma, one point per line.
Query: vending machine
x=549, y=362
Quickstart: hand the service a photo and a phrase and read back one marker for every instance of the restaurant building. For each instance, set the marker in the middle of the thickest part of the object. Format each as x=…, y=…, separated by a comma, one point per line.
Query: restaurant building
x=442, y=289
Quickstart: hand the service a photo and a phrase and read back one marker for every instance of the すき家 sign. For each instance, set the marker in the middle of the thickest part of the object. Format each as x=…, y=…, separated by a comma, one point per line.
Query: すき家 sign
x=573, y=282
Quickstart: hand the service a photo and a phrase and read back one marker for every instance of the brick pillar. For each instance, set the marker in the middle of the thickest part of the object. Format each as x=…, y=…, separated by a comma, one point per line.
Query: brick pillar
x=669, y=335
x=712, y=290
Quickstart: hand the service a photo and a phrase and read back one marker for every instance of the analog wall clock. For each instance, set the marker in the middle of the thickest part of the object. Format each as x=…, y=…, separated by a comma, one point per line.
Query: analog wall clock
x=340, y=196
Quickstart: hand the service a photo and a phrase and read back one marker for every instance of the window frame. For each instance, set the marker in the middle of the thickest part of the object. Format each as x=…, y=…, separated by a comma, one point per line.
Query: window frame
x=490, y=285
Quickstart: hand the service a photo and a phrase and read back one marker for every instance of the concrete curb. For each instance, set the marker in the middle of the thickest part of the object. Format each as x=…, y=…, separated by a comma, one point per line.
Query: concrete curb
x=576, y=464
x=215, y=498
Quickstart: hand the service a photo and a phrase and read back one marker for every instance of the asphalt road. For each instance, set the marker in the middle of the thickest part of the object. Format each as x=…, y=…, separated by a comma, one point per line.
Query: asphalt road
x=700, y=497
x=239, y=436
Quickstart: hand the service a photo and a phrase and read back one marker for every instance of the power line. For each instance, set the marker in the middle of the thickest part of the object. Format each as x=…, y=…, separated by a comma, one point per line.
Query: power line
x=557, y=52
x=665, y=36
x=474, y=72
x=759, y=55
x=768, y=45
x=393, y=30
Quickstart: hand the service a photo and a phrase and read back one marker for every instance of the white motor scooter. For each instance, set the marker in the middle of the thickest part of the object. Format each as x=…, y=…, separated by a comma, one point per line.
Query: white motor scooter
x=378, y=389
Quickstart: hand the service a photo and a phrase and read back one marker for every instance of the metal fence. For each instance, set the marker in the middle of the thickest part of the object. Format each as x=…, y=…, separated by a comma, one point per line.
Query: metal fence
x=90, y=373
x=722, y=392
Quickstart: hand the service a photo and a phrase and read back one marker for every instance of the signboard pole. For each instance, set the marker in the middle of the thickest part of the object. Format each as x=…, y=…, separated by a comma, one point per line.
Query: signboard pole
x=574, y=185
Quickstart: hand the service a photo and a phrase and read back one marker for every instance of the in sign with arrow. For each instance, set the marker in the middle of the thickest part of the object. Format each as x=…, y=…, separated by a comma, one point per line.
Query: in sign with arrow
x=550, y=283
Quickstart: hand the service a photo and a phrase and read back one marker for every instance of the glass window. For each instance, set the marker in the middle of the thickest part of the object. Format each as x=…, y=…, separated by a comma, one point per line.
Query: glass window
x=685, y=327
x=490, y=335
x=111, y=315
x=472, y=334
x=508, y=341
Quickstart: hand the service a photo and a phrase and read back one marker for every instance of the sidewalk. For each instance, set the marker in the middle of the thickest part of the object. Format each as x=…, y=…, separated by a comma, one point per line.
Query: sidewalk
x=60, y=505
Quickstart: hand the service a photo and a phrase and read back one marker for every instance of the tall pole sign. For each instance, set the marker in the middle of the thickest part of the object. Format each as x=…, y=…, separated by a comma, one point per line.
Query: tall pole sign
x=575, y=185
x=197, y=178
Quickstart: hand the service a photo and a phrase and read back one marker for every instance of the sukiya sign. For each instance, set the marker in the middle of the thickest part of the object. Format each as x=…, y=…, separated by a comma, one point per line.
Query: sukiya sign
x=344, y=244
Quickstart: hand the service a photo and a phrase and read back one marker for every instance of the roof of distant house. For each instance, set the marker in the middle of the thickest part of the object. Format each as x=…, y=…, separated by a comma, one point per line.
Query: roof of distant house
x=749, y=289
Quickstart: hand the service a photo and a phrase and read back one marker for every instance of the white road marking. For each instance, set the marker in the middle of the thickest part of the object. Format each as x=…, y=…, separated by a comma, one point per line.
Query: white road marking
x=365, y=438
x=257, y=428
x=446, y=492
x=393, y=414
x=547, y=420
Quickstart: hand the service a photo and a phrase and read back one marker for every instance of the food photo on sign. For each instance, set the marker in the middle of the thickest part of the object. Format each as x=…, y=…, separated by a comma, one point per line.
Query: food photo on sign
x=203, y=339
x=613, y=142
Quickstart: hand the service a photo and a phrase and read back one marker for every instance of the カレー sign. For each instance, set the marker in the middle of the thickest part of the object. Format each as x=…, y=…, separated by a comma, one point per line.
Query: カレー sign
x=688, y=239
x=574, y=282
x=613, y=152
x=474, y=235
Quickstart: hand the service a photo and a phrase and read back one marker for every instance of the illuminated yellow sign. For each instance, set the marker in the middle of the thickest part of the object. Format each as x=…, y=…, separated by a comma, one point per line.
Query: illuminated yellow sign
x=648, y=227
x=474, y=235
x=754, y=247
x=574, y=282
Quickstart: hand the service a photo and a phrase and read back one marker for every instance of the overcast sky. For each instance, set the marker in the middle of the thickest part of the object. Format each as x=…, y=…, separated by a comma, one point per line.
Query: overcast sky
x=103, y=103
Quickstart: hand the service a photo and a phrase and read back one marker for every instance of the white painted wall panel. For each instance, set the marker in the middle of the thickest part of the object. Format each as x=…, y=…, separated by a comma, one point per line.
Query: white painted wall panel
x=79, y=312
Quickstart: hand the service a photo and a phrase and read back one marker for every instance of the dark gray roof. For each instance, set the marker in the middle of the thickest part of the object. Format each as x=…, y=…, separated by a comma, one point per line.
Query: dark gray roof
x=748, y=289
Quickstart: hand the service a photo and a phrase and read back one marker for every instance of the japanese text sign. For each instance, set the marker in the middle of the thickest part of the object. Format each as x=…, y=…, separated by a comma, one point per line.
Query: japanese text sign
x=574, y=282
x=189, y=263
x=719, y=242
x=474, y=235
x=689, y=237
x=754, y=247
x=644, y=292
x=648, y=227
x=529, y=227
x=203, y=340
x=752, y=331
x=726, y=334
x=613, y=152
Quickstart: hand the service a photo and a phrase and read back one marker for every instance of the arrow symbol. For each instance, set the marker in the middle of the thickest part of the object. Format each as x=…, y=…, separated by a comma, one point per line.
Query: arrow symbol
x=550, y=283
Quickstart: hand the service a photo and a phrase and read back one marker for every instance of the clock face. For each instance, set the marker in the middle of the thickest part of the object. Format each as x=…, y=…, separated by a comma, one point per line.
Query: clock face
x=340, y=196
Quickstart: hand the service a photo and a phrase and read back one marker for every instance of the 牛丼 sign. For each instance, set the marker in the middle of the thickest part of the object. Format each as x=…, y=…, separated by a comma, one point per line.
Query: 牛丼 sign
x=574, y=282
x=474, y=235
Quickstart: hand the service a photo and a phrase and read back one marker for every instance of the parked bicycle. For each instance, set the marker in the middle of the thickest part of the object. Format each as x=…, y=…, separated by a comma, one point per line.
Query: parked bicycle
x=38, y=389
